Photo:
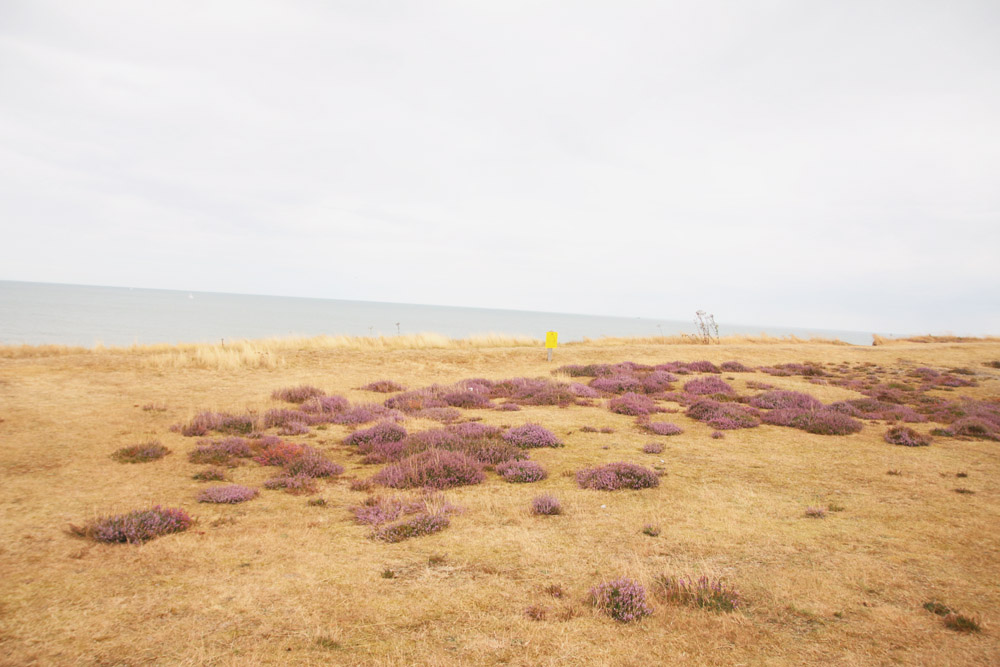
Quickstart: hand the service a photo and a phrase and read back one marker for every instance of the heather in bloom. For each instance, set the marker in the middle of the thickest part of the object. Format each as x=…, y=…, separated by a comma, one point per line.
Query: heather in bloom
x=386, y=431
x=632, y=404
x=530, y=436
x=466, y=399
x=903, y=435
x=220, y=452
x=826, y=422
x=546, y=504
x=298, y=394
x=312, y=463
x=211, y=474
x=706, y=593
x=294, y=484
x=278, y=454
x=614, y=476
x=707, y=386
x=383, y=386
x=735, y=367
x=414, y=526
x=617, y=384
x=325, y=405
x=149, y=451
x=653, y=448
x=622, y=599
x=521, y=471
x=658, y=381
x=724, y=416
x=221, y=422
x=434, y=468
x=231, y=494
x=663, y=428
x=785, y=399
x=395, y=519
x=137, y=526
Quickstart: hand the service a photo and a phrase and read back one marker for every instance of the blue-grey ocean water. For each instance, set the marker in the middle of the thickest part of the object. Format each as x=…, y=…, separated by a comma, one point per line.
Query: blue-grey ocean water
x=45, y=313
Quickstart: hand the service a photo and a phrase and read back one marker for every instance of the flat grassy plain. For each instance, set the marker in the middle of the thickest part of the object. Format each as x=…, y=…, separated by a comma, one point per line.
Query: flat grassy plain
x=277, y=580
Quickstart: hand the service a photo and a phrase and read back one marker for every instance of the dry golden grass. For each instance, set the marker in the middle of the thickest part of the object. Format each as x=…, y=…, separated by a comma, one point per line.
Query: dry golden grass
x=276, y=581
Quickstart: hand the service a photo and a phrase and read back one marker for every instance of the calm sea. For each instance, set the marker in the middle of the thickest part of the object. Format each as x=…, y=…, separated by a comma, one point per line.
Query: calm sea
x=45, y=313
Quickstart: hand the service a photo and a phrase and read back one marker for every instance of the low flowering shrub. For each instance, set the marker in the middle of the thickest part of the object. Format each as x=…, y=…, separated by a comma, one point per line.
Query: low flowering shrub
x=384, y=386
x=221, y=452
x=653, y=448
x=903, y=435
x=663, y=428
x=509, y=407
x=221, y=422
x=617, y=384
x=433, y=468
x=385, y=431
x=294, y=428
x=149, y=451
x=546, y=504
x=583, y=391
x=279, y=454
x=384, y=452
x=658, y=381
x=708, y=386
x=137, y=526
x=826, y=422
x=312, y=463
x=735, y=367
x=521, y=471
x=706, y=593
x=211, y=474
x=701, y=367
x=414, y=526
x=771, y=400
x=443, y=415
x=325, y=405
x=975, y=427
x=614, y=476
x=466, y=399
x=632, y=404
x=529, y=436
x=296, y=485
x=622, y=599
x=230, y=494
x=298, y=394
x=718, y=435
x=724, y=416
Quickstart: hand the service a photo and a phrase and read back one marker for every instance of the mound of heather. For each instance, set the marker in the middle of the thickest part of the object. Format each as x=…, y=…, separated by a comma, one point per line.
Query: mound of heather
x=433, y=468
x=614, y=476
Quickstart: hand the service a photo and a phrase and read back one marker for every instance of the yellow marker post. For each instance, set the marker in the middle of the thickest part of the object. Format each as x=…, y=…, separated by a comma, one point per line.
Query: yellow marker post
x=551, y=338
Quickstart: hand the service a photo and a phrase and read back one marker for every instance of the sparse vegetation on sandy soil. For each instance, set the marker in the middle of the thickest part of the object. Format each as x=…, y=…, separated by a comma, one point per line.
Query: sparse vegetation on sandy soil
x=606, y=549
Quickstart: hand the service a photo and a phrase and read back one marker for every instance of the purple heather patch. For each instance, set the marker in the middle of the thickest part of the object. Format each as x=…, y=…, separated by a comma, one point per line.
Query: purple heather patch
x=433, y=468
x=663, y=428
x=724, y=416
x=230, y=494
x=521, y=471
x=546, y=504
x=771, y=400
x=383, y=386
x=137, y=526
x=623, y=599
x=298, y=394
x=529, y=436
x=707, y=386
x=619, y=475
x=386, y=431
x=906, y=436
x=632, y=404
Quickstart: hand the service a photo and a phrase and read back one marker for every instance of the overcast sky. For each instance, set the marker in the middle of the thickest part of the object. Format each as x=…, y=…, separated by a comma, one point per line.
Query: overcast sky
x=828, y=164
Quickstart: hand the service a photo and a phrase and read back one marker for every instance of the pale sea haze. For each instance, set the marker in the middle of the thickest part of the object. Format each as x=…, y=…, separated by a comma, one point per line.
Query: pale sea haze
x=46, y=313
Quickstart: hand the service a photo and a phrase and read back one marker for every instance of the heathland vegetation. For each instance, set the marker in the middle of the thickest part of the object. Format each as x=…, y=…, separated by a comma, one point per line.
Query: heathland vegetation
x=425, y=501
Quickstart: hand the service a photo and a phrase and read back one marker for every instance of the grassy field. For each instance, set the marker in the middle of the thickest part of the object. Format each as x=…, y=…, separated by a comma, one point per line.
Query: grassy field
x=282, y=579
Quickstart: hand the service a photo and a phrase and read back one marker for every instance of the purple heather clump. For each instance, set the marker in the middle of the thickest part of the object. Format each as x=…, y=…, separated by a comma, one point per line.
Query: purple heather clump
x=230, y=494
x=386, y=431
x=148, y=451
x=783, y=416
x=474, y=430
x=718, y=435
x=529, y=436
x=708, y=385
x=312, y=463
x=785, y=399
x=417, y=399
x=294, y=428
x=296, y=485
x=632, y=404
x=619, y=475
x=478, y=385
x=414, y=526
x=762, y=386
x=363, y=414
x=528, y=391
x=724, y=416
x=222, y=422
x=663, y=428
x=283, y=416
x=702, y=367
x=491, y=451
x=906, y=436
x=521, y=471
x=658, y=382
x=577, y=370
x=805, y=370
x=509, y=407
x=653, y=448
x=211, y=474
x=433, y=468
x=546, y=504
x=325, y=405
x=466, y=399
x=616, y=384
x=582, y=390
x=870, y=408
x=443, y=415
x=622, y=599
x=221, y=452
x=826, y=422
x=298, y=394
x=975, y=427
x=137, y=526
x=278, y=453
x=384, y=452
x=735, y=367
x=440, y=438
x=383, y=386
